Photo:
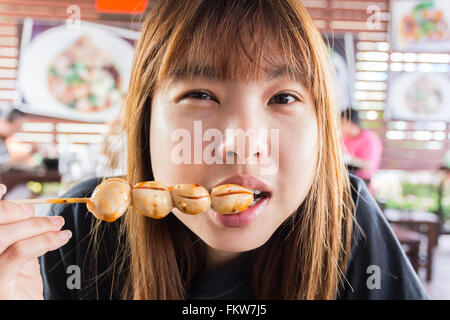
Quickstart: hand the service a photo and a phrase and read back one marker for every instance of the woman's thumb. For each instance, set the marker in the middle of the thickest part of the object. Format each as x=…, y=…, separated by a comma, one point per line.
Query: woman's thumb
x=2, y=190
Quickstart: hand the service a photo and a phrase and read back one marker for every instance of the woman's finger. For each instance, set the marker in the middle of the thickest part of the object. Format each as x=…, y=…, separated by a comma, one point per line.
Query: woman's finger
x=13, y=232
x=13, y=259
x=12, y=212
x=2, y=190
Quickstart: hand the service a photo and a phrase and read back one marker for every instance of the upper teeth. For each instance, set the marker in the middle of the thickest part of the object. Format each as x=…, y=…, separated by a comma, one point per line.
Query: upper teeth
x=256, y=192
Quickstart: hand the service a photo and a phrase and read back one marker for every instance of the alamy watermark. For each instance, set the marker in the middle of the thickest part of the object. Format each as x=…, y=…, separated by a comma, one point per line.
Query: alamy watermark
x=74, y=19
x=374, y=20
x=374, y=280
x=227, y=148
x=74, y=277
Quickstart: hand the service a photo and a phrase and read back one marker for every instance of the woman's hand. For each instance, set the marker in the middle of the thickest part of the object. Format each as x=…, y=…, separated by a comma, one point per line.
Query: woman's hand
x=23, y=238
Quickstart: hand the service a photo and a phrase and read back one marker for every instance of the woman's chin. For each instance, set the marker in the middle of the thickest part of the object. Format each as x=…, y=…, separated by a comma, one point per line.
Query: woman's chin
x=231, y=235
x=236, y=239
x=234, y=245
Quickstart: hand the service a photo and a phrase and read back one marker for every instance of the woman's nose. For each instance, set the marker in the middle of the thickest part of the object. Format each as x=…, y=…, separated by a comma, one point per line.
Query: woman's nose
x=248, y=137
x=244, y=147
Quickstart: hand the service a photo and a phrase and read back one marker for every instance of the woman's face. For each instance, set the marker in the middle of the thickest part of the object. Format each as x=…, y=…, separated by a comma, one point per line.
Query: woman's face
x=280, y=159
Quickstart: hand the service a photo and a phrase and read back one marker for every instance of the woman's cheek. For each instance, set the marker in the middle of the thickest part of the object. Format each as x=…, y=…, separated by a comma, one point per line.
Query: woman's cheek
x=298, y=157
x=167, y=162
x=172, y=147
x=164, y=167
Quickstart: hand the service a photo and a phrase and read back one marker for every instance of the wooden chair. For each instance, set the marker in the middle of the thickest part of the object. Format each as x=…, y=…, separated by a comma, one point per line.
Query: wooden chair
x=419, y=222
x=410, y=241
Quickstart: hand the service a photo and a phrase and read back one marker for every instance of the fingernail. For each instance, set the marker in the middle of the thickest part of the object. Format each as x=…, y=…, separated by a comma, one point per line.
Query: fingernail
x=57, y=221
x=2, y=189
x=66, y=234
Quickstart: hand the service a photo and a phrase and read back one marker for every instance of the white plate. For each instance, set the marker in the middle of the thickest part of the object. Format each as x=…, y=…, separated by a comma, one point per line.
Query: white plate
x=405, y=82
x=39, y=54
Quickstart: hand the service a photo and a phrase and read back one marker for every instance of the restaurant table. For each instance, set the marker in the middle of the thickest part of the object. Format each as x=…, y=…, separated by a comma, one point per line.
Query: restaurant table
x=416, y=220
x=13, y=177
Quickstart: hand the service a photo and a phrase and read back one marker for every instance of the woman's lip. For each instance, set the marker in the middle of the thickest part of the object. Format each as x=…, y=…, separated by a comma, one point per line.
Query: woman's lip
x=243, y=218
x=246, y=181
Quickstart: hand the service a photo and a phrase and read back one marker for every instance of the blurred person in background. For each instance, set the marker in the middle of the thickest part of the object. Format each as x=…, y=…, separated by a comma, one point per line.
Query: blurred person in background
x=13, y=152
x=5, y=131
x=362, y=148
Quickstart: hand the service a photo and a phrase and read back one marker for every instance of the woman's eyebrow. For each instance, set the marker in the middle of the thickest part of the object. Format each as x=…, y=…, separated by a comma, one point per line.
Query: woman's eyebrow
x=281, y=71
x=195, y=72
x=273, y=73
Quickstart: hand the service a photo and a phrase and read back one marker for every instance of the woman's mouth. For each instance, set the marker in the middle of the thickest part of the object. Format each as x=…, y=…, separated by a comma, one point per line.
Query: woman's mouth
x=243, y=218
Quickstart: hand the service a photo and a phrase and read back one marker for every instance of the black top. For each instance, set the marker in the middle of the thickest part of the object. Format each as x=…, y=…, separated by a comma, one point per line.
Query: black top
x=376, y=253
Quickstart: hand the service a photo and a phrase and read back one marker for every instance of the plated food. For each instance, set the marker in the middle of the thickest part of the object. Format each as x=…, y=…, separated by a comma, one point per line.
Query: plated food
x=424, y=97
x=426, y=22
x=153, y=199
x=84, y=77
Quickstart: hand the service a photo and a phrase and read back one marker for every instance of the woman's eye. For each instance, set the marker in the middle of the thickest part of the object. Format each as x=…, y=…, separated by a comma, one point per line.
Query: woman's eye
x=283, y=98
x=199, y=95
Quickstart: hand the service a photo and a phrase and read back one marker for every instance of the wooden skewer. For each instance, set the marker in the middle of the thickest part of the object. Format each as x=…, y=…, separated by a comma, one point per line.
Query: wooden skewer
x=57, y=200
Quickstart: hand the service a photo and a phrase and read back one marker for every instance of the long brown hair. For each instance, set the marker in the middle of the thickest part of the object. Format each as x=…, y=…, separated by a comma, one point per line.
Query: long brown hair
x=306, y=257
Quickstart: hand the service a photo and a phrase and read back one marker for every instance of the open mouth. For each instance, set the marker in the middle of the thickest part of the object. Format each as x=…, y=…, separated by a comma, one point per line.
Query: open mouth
x=258, y=196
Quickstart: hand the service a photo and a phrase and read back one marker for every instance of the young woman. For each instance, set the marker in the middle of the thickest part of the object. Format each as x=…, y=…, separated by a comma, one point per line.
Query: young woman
x=316, y=234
